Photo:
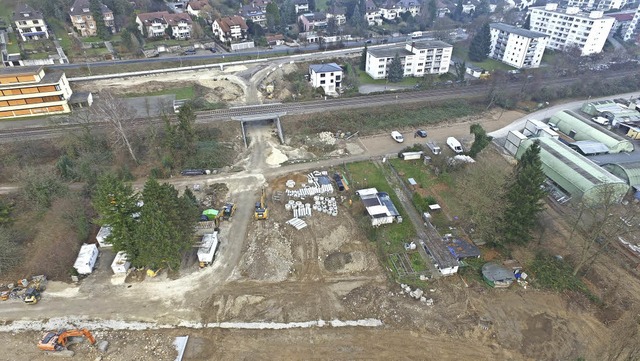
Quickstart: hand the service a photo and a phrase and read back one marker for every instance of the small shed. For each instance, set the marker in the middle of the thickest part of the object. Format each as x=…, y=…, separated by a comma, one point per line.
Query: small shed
x=87, y=258
x=379, y=206
x=121, y=263
x=497, y=276
x=461, y=249
x=103, y=235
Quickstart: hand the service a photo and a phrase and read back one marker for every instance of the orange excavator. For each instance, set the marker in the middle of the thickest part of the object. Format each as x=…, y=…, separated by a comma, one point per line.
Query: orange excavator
x=55, y=343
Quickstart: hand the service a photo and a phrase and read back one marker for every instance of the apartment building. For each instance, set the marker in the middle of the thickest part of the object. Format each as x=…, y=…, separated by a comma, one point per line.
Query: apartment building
x=327, y=76
x=29, y=23
x=571, y=27
x=230, y=28
x=83, y=21
x=520, y=48
x=633, y=29
x=604, y=5
x=418, y=58
x=156, y=24
x=28, y=91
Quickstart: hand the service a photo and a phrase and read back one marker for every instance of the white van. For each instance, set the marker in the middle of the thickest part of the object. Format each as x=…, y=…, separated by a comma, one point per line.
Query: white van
x=455, y=145
x=397, y=136
x=601, y=120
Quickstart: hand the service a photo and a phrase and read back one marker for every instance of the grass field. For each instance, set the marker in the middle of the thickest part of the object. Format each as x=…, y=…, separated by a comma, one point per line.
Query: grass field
x=460, y=50
x=13, y=47
x=364, y=78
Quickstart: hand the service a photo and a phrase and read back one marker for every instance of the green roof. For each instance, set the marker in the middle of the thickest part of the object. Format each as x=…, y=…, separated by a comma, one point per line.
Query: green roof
x=629, y=172
x=573, y=172
x=570, y=122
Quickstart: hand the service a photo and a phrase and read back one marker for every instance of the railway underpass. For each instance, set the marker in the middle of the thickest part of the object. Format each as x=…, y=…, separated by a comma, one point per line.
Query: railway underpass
x=275, y=117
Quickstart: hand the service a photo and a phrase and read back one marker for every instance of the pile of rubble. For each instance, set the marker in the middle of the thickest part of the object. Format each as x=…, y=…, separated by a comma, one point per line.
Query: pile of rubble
x=327, y=138
x=418, y=294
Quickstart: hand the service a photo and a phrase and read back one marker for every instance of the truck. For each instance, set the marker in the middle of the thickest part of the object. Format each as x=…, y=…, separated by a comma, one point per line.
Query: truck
x=455, y=145
x=207, y=250
x=435, y=149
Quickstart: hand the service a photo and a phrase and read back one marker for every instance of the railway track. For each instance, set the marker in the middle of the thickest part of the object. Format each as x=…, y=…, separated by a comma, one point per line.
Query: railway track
x=315, y=106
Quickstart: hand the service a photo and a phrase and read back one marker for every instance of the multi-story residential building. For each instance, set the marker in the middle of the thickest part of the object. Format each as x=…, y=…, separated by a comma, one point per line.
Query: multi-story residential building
x=623, y=20
x=326, y=76
x=29, y=23
x=392, y=9
x=418, y=59
x=604, y=5
x=230, y=28
x=312, y=21
x=372, y=13
x=633, y=29
x=196, y=7
x=338, y=13
x=571, y=27
x=301, y=6
x=156, y=24
x=83, y=21
x=520, y=48
x=254, y=13
x=28, y=91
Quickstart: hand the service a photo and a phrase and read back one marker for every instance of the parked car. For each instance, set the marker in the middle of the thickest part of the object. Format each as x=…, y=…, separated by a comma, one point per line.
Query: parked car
x=421, y=133
x=213, y=49
x=435, y=149
x=397, y=136
x=601, y=120
x=455, y=145
x=189, y=52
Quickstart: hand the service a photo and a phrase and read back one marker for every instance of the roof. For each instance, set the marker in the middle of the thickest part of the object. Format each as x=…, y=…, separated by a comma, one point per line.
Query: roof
x=629, y=172
x=274, y=37
x=619, y=111
x=301, y=2
x=496, y=273
x=570, y=11
x=462, y=249
x=79, y=98
x=574, y=173
x=589, y=147
x=50, y=78
x=378, y=204
x=337, y=10
x=251, y=10
x=20, y=70
x=314, y=16
x=568, y=121
x=82, y=7
x=518, y=31
x=430, y=44
x=24, y=9
x=622, y=16
x=408, y=3
x=227, y=22
x=370, y=6
x=165, y=17
x=198, y=4
x=325, y=68
x=389, y=52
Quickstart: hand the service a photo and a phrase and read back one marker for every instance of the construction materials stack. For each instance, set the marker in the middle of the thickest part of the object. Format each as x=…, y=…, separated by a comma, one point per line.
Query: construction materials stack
x=318, y=183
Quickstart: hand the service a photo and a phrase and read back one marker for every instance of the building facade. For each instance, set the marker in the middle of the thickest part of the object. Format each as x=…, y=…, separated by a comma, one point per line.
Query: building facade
x=312, y=22
x=571, y=27
x=83, y=21
x=254, y=13
x=372, y=13
x=28, y=91
x=301, y=6
x=326, y=76
x=156, y=24
x=604, y=5
x=230, y=28
x=196, y=7
x=392, y=9
x=517, y=47
x=633, y=30
x=418, y=59
x=339, y=14
x=29, y=24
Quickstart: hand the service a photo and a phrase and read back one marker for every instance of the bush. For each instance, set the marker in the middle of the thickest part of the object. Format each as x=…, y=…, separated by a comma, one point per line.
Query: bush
x=40, y=186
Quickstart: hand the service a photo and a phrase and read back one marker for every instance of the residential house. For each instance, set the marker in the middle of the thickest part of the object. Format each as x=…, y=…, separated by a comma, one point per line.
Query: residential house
x=260, y=4
x=571, y=27
x=29, y=23
x=468, y=8
x=230, y=28
x=28, y=91
x=274, y=39
x=254, y=13
x=196, y=7
x=156, y=24
x=301, y=6
x=372, y=13
x=83, y=20
x=520, y=48
x=418, y=59
x=326, y=76
x=633, y=29
x=411, y=6
x=338, y=13
x=312, y=21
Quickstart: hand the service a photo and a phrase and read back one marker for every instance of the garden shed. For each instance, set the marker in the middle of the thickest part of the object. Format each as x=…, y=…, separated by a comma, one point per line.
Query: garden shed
x=497, y=276
x=577, y=127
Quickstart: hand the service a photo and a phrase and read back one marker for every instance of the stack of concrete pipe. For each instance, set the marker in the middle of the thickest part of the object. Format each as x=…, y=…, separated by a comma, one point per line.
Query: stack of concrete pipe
x=326, y=205
x=299, y=209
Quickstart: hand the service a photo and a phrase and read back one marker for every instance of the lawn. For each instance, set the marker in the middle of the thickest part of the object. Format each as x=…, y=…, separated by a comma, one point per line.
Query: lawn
x=321, y=5
x=364, y=78
x=460, y=50
x=187, y=92
x=152, y=44
x=414, y=169
x=61, y=34
x=13, y=47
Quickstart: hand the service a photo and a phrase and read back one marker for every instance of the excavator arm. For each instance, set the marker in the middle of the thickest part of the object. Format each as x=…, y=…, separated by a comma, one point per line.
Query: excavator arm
x=64, y=336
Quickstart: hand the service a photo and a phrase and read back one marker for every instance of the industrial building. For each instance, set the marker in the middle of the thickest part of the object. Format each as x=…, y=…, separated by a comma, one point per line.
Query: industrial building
x=612, y=110
x=628, y=172
x=518, y=47
x=418, y=59
x=573, y=173
x=577, y=127
x=28, y=91
x=571, y=27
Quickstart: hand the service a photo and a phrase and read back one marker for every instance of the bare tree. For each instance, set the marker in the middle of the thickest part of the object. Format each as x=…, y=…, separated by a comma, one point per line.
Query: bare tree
x=596, y=222
x=117, y=115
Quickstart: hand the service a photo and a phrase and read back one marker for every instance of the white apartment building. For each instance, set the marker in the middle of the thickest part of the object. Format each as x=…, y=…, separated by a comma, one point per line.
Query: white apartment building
x=29, y=23
x=604, y=5
x=520, y=48
x=571, y=27
x=328, y=76
x=418, y=58
x=633, y=29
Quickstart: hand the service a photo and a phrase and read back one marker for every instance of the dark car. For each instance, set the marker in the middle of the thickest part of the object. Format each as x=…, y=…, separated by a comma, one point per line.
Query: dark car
x=213, y=50
x=421, y=133
x=189, y=52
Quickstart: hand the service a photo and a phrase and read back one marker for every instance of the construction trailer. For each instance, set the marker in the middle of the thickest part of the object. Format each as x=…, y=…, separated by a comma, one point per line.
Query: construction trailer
x=207, y=250
x=103, y=236
x=121, y=263
x=87, y=258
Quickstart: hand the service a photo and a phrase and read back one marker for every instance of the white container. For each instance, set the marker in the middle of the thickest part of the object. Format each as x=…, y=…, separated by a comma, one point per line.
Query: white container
x=87, y=258
x=103, y=235
x=120, y=264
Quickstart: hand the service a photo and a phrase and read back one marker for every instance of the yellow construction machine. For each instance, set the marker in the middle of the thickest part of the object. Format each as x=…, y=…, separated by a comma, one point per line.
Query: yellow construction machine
x=262, y=212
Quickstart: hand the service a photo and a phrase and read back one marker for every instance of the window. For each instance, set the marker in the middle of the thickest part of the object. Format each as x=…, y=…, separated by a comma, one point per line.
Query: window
x=321, y=82
x=322, y=75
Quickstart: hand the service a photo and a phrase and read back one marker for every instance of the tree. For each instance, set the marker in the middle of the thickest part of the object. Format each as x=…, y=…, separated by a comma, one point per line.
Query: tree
x=41, y=186
x=197, y=32
x=527, y=22
x=273, y=17
x=332, y=26
x=180, y=138
x=457, y=13
x=288, y=12
x=255, y=30
x=102, y=30
x=395, y=72
x=168, y=31
x=117, y=115
x=312, y=5
x=523, y=197
x=460, y=69
x=10, y=251
x=481, y=140
x=482, y=9
x=432, y=12
x=480, y=44
x=363, y=58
